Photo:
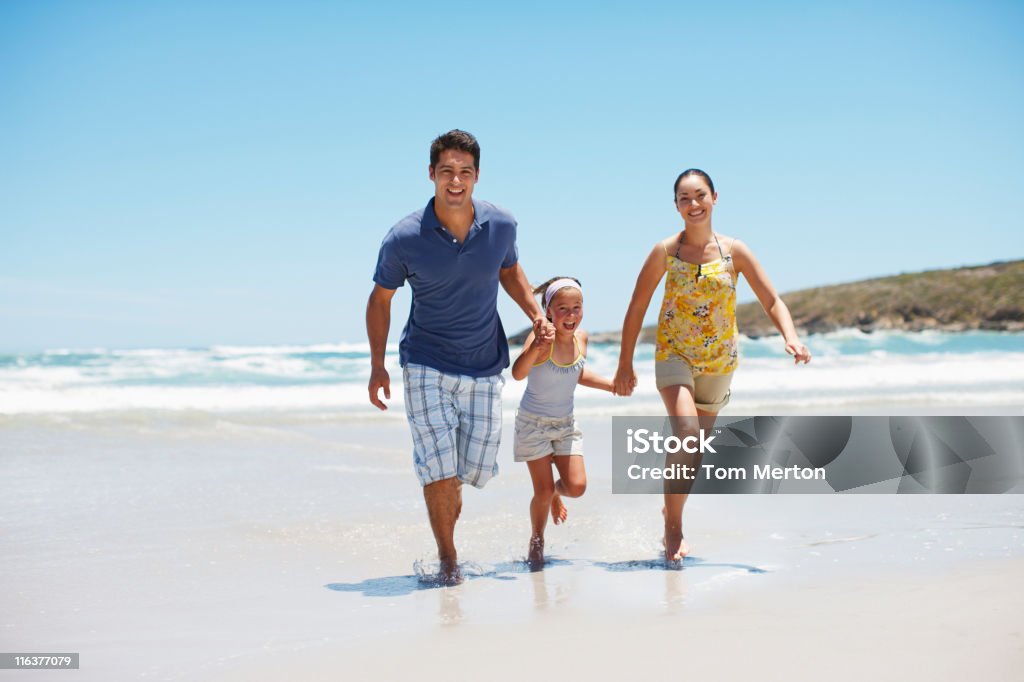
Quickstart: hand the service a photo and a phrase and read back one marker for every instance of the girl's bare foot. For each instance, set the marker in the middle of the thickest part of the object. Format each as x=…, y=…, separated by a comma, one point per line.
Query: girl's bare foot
x=535, y=557
x=558, y=510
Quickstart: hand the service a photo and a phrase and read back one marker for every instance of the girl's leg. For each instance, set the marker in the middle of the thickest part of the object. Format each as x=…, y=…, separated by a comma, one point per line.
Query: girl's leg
x=540, y=505
x=572, y=482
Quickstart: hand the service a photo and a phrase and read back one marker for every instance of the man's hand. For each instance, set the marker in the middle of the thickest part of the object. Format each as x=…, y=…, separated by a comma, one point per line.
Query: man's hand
x=379, y=378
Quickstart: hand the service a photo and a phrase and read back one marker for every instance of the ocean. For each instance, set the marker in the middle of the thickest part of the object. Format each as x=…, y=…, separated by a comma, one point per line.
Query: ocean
x=850, y=369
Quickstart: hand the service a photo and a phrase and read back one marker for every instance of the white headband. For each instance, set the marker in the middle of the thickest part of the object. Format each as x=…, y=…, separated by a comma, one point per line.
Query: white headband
x=557, y=286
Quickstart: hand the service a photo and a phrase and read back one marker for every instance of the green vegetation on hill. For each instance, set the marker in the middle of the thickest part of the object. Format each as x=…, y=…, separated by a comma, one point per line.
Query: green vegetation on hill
x=980, y=297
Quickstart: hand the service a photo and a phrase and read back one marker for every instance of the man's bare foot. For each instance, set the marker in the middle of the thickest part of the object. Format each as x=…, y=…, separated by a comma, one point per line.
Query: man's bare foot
x=558, y=510
x=535, y=557
x=449, y=573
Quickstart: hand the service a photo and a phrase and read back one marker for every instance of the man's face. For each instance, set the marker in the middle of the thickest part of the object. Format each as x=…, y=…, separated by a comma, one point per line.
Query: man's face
x=454, y=177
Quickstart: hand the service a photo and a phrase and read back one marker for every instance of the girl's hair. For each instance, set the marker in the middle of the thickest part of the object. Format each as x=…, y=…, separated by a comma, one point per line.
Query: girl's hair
x=543, y=289
x=688, y=172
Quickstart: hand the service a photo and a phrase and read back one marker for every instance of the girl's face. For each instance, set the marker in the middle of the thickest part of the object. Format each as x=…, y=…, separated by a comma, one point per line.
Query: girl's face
x=694, y=200
x=566, y=310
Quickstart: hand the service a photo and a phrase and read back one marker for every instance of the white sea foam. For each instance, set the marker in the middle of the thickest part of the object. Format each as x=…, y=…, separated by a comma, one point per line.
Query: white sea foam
x=887, y=368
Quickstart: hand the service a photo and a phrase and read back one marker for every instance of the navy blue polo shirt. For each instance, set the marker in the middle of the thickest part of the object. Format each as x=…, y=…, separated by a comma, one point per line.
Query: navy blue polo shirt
x=453, y=321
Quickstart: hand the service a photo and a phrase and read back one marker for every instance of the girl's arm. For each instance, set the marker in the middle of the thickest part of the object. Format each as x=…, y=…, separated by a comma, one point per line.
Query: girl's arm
x=748, y=266
x=533, y=350
x=589, y=378
x=646, y=283
x=593, y=380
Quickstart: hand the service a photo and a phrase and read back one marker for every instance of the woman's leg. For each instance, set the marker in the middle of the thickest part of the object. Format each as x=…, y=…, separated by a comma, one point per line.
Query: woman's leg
x=686, y=420
x=572, y=482
x=540, y=505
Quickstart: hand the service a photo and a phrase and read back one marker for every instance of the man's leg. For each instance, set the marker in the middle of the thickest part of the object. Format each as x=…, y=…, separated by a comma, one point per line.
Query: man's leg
x=433, y=420
x=479, y=434
x=444, y=503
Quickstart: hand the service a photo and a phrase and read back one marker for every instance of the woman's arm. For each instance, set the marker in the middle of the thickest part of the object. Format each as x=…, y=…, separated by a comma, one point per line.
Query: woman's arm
x=646, y=283
x=748, y=266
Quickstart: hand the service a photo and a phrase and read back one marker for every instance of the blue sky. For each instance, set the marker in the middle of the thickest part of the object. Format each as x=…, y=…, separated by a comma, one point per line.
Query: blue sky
x=187, y=174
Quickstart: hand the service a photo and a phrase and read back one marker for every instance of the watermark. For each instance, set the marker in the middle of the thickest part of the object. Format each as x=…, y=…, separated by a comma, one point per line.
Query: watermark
x=771, y=455
x=28, y=661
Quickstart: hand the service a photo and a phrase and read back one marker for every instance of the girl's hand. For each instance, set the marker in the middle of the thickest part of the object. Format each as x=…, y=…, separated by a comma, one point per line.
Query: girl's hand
x=542, y=347
x=625, y=381
x=799, y=352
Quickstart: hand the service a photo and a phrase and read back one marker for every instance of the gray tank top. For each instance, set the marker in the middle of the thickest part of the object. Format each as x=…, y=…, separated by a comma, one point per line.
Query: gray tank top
x=550, y=386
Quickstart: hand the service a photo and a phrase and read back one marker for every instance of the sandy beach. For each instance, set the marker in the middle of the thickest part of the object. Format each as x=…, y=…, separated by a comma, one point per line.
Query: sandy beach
x=192, y=546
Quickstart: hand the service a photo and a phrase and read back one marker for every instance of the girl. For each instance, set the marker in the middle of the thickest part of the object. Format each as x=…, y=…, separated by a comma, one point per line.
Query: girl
x=546, y=431
x=697, y=341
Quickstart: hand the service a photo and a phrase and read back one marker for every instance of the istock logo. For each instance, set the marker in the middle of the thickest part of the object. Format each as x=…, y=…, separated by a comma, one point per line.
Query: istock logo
x=642, y=441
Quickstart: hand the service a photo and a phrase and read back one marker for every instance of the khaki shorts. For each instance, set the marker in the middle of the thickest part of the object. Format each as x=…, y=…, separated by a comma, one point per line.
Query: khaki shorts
x=538, y=436
x=710, y=391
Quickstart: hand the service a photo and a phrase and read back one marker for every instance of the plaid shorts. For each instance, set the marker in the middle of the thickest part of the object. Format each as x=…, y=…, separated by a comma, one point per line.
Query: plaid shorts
x=456, y=424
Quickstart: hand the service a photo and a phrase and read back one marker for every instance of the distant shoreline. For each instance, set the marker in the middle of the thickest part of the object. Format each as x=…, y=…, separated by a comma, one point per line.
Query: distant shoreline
x=977, y=298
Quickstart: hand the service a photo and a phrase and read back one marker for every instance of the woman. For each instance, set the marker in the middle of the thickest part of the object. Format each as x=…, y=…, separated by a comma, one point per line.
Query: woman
x=698, y=342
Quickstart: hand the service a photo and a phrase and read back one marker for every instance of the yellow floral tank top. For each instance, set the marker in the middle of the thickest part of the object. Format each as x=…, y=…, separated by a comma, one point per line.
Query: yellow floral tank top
x=698, y=316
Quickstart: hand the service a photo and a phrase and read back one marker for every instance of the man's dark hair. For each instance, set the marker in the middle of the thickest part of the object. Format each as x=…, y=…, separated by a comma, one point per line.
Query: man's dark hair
x=455, y=139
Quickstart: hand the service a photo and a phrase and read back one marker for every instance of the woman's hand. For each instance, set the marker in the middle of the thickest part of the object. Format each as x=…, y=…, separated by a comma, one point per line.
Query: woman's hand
x=799, y=352
x=625, y=381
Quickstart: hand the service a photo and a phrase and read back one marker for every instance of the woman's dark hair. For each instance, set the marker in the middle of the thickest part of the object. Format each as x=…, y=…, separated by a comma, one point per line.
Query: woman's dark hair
x=687, y=173
x=455, y=139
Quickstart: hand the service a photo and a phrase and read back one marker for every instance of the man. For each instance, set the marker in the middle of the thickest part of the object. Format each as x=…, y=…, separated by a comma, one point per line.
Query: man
x=454, y=253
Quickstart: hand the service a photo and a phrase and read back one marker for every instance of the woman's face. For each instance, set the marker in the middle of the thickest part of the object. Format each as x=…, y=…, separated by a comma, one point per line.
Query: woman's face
x=566, y=310
x=695, y=200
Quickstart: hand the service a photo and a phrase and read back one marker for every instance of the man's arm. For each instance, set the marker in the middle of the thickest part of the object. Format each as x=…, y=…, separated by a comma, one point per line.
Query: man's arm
x=378, y=323
x=514, y=282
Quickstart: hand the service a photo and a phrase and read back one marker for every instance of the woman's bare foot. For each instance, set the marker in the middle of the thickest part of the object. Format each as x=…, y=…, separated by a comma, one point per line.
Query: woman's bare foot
x=535, y=557
x=676, y=548
x=558, y=510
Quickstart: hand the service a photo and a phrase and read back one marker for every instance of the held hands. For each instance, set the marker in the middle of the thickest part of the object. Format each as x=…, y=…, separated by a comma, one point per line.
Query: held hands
x=543, y=331
x=624, y=381
x=379, y=378
x=543, y=336
x=539, y=347
x=798, y=351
